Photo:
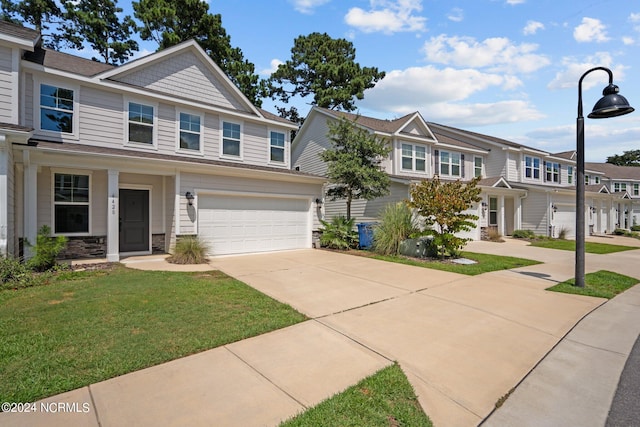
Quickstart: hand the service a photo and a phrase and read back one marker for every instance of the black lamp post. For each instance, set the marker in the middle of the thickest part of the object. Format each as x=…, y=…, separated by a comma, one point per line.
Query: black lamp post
x=610, y=105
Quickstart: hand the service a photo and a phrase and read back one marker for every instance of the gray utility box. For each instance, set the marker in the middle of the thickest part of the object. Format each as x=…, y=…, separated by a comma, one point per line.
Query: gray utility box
x=418, y=248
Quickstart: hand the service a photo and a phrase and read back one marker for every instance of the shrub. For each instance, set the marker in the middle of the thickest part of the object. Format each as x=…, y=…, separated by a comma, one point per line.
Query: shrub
x=562, y=233
x=523, y=234
x=635, y=228
x=620, y=232
x=46, y=250
x=339, y=233
x=189, y=250
x=494, y=235
x=16, y=275
x=396, y=224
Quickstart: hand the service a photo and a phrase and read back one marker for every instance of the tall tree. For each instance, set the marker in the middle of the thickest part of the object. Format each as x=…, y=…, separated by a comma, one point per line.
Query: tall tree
x=97, y=23
x=354, y=163
x=326, y=68
x=40, y=14
x=627, y=158
x=442, y=206
x=170, y=22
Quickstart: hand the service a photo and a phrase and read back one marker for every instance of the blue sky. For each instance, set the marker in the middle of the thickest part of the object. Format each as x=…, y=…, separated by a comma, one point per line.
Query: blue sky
x=507, y=68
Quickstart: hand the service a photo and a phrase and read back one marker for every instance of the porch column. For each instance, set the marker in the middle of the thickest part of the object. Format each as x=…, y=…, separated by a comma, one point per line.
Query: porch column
x=30, y=203
x=113, y=217
x=4, y=198
x=502, y=227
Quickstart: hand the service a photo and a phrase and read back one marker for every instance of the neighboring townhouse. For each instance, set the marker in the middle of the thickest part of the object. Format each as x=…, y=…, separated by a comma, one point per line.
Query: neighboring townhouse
x=522, y=187
x=624, y=181
x=124, y=160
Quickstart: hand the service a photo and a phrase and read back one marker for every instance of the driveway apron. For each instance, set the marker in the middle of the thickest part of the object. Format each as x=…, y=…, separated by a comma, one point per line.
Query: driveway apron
x=463, y=341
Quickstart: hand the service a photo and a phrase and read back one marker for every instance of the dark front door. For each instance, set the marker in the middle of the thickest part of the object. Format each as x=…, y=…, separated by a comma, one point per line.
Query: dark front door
x=134, y=220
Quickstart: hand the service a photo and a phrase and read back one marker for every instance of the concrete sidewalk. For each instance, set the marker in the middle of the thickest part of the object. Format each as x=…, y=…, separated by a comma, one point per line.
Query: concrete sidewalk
x=463, y=342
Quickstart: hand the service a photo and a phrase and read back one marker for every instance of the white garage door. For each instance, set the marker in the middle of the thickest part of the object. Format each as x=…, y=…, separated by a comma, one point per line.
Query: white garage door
x=241, y=224
x=564, y=218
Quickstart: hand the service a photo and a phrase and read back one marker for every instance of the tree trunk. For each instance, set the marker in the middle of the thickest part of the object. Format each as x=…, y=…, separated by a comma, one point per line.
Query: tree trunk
x=348, y=207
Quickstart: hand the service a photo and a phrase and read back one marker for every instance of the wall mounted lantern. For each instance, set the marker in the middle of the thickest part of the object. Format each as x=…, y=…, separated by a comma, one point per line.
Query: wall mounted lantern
x=319, y=203
x=189, y=197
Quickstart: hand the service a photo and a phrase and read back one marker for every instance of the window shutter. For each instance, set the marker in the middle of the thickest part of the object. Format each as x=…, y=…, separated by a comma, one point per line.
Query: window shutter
x=436, y=162
x=559, y=174
x=544, y=171
x=462, y=166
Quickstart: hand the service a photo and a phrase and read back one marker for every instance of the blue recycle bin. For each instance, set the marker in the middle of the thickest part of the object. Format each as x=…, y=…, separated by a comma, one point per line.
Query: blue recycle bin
x=365, y=234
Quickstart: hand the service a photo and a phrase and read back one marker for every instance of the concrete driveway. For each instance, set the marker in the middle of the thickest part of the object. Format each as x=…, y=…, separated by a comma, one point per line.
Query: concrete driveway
x=463, y=341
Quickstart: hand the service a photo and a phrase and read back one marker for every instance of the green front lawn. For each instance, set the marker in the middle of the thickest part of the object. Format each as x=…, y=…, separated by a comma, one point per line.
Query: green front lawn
x=86, y=327
x=485, y=263
x=589, y=247
x=383, y=399
x=603, y=284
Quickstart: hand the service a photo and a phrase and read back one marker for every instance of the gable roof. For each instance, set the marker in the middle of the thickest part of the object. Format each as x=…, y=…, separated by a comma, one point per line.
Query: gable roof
x=616, y=172
x=496, y=181
x=18, y=35
x=568, y=155
x=378, y=125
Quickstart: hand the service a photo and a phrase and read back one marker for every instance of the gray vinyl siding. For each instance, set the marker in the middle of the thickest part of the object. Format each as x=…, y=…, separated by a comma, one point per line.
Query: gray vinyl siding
x=367, y=210
x=513, y=166
x=167, y=125
x=185, y=76
x=495, y=163
x=194, y=182
x=535, y=213
x=28, y=100
x=101, y=118
x=211, y=137
x=6, y=85
x=170, y=214
x=45, y=198
x=256, y=143
x=306, y=152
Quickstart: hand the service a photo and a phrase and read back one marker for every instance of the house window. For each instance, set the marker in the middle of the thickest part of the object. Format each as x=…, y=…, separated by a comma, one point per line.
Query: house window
x=586, y=180
x=636, y=189
x=552, y=172
x=619, y=186
x=56, y=109
x=71, y=203
x=532, y=167
x=596, y=179
x=230, y=139
x=493, y=211
x=570, y=174
x=477, y=166
x=276, y=145
x=189, y=132
x=450, y=163
x=141, y=120
x=414, y=157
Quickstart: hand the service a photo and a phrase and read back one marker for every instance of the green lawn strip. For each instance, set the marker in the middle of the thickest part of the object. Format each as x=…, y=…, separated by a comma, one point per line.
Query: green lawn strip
x=590, y=247
x=485, y=263
x=86, y=328
x=383, y=399
x=603, y=284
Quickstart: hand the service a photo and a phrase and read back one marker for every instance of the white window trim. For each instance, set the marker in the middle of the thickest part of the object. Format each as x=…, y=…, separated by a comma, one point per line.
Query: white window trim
x=227, y=156
x=636, y=189
x=570, y=175
x=180, y=150
x=414, y=158
x=76, y=107
x=127, y=143
x=555, y=174
x=540, y=169
x=450, y=163
x=481, y=166
x=285, y=148
x=88, y=173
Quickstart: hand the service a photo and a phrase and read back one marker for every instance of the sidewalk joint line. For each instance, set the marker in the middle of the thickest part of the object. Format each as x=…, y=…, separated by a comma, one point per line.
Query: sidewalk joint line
x=354, y=340
x=95, y=407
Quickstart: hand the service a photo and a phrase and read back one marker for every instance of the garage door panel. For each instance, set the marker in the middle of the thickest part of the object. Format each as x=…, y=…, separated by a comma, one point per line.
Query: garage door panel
x=230, y=224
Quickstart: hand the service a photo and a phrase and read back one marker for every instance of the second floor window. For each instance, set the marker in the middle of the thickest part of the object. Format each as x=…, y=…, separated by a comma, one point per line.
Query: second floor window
x=619, y=186
x=189, y=132
x=450, y=163
x=477, y=166
x=276, y=147
x=140, y=123
x=569, y=174
x=414, y=158
x=552, y=172
x=531, y=167
x=56, y=109
x=636, y=189
x=230, y=139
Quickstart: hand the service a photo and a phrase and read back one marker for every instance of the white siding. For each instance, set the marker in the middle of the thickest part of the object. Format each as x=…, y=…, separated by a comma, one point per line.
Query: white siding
x=535, y=212
x=185, y=76
x=12, y=242
x=7, y=103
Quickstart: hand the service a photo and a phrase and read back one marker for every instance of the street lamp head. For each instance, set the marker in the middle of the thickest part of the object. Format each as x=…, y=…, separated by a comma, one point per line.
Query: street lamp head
x=611, y=104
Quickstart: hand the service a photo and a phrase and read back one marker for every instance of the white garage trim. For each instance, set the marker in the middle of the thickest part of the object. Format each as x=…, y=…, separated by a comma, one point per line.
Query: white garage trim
x=231, y=222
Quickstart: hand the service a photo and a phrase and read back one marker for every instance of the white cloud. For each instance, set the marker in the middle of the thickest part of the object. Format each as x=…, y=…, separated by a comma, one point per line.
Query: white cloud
x=495, y=54
x=591, y=30
x=512, y=2
x=387, y=16
x=532, y=27
x=573, y=69
x=307, y=6
x=274, y=66
x=456, y=15
x=634, y=17
x=628, y=41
